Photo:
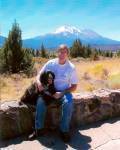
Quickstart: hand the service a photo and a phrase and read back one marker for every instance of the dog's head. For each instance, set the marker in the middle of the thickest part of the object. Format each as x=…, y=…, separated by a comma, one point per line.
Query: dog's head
x=47, y=78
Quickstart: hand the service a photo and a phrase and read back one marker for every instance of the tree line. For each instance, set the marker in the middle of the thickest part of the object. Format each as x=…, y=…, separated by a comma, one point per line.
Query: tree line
x=86, y=51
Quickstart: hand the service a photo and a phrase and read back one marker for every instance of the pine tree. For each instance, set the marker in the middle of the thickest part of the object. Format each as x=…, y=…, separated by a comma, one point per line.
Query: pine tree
x=37, y=53
x=77, y=49
x=13, y=54
x=14, y=57
x=27, y=63
x=88, y=51
x=43, y=51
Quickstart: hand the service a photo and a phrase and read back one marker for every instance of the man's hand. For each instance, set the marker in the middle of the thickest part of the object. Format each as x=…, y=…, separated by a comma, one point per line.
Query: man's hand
x=58, y=95
x=40, y=87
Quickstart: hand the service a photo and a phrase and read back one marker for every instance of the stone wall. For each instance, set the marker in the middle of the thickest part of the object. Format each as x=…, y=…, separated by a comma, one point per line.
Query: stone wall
x=90, y=107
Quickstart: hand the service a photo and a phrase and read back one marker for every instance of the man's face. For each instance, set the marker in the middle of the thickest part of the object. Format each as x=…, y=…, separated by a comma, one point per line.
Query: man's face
x=63, y=54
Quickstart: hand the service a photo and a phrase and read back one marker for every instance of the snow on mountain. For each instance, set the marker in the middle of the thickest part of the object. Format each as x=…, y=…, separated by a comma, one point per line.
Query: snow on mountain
x=67, y=29
x=76, y=32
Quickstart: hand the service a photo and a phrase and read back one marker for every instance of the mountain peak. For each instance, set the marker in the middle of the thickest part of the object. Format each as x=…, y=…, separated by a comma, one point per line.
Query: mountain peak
x=67, y=29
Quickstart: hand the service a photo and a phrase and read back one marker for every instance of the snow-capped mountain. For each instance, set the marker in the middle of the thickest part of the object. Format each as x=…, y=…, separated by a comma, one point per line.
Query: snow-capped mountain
x=67, y=34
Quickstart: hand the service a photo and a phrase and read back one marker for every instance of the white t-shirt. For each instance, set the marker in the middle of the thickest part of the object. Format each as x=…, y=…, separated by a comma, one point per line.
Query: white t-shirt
x=65, y=74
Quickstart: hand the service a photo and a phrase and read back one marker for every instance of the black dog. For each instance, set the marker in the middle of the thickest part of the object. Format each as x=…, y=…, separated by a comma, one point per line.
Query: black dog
x=31, y=94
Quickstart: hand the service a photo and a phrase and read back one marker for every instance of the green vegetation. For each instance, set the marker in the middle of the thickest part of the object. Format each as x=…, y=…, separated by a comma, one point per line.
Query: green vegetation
x=13, y=58
x=85, y=51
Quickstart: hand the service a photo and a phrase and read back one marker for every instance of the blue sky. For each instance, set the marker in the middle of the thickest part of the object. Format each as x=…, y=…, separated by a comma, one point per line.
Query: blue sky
x=37, y=17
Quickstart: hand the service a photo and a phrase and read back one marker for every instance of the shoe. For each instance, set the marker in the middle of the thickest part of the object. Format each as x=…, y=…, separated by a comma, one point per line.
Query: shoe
x=65, y=137
x=35, y=134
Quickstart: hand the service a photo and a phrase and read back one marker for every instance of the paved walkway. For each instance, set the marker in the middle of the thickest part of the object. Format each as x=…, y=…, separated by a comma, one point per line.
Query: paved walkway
x=100, y=136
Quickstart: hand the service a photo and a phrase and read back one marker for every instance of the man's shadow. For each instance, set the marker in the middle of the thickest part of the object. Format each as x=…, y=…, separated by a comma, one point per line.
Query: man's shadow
x=78, y=140
x=53, y=140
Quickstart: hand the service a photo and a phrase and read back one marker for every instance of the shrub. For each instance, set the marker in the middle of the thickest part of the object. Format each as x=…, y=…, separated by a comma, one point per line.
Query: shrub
x=99, y=71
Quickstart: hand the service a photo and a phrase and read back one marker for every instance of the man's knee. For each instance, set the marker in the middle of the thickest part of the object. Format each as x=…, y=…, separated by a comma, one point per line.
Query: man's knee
x=67, y=105
x=68, y=97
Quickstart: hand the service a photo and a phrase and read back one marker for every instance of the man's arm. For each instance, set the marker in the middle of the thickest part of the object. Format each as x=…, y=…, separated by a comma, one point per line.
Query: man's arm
x=70, y=89
x=73, y=81
x=57, y=95
x=39, y=85
x=39, y=73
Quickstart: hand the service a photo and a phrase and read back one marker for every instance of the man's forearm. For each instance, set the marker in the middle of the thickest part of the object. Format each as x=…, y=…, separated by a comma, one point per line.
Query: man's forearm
x=70, y=89
x=38, y=79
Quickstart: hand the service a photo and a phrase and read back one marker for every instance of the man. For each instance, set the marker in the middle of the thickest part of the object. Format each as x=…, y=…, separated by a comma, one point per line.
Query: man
x=65, y=82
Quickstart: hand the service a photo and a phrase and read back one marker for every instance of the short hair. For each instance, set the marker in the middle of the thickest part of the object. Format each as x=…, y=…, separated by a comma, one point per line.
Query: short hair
x=63, y=46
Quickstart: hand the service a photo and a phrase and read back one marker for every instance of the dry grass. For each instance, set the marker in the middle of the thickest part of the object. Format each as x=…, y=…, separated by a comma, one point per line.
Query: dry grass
x=92, y=75
x=114, y=81
x=13, y=86
x=96, y=74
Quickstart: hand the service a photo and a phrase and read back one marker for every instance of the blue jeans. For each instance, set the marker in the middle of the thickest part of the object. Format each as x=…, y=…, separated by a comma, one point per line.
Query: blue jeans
x=66, y=112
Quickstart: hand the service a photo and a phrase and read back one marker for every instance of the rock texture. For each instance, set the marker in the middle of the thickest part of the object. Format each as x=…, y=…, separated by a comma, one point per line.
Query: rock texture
x=98, y=105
